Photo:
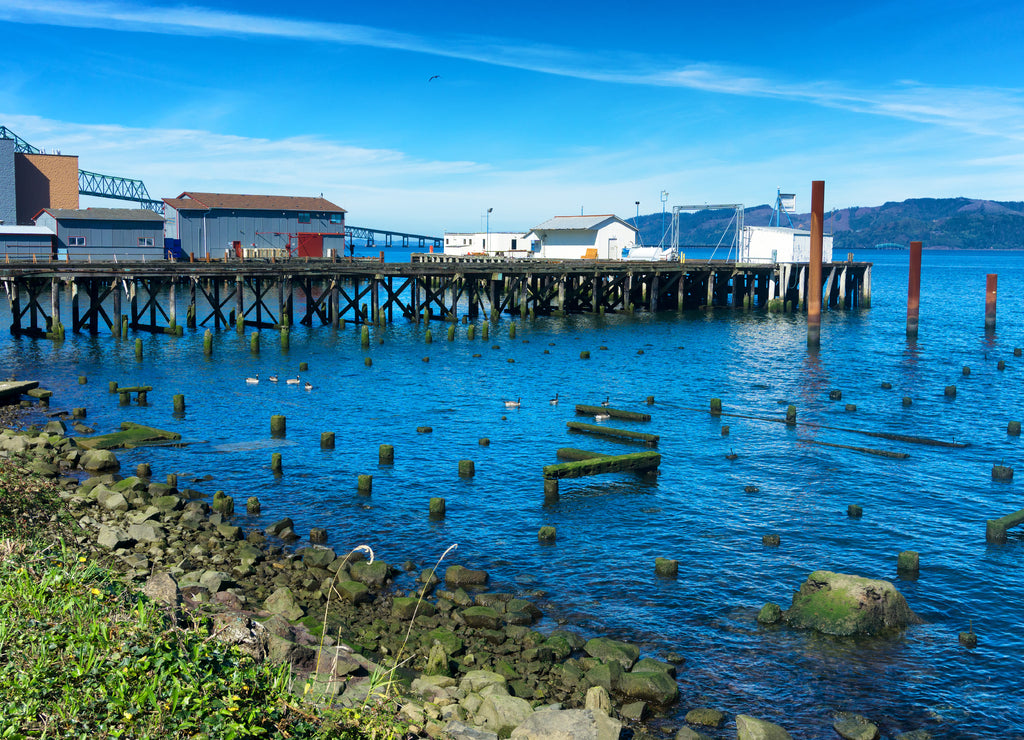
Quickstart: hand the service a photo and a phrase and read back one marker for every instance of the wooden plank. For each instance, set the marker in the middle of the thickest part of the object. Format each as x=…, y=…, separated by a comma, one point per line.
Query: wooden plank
x=585, y=410
x=651, y=440
x=11, y=390
x=636, y=462
x=572, y=454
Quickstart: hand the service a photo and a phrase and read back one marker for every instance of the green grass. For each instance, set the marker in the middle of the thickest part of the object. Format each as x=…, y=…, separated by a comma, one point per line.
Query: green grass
x=82, y=654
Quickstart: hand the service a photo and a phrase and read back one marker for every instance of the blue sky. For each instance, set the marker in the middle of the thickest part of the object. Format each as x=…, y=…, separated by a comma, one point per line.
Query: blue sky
x=540, y=108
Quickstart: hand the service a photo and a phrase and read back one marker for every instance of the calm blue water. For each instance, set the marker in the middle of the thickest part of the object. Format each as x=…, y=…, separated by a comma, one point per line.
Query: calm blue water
x=599, y=574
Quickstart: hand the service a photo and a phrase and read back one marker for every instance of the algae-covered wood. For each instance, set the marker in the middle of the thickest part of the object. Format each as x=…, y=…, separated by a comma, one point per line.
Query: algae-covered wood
x=614, y=413
x=571, y=454
x=651, y=440
x=131, y=435
x=11, y=390
x=638, y=462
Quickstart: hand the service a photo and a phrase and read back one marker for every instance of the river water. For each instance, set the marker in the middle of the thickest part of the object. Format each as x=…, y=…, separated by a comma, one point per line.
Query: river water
x=598, y=577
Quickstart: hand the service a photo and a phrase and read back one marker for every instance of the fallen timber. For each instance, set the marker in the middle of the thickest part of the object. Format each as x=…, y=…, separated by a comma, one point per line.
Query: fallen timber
x=865, y=450
x=583, y=410
x=995, y=529
x=637, y=462
x=651, y=440
x=910, y=439
x=156, y=296
x=572, y=454
x=11, y=390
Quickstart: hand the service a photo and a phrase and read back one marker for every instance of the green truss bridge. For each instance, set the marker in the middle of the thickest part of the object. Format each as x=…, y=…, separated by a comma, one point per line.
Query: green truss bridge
x=94, y=183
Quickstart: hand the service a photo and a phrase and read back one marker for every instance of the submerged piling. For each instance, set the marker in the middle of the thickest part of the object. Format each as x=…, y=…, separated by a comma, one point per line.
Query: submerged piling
x=277, y=425
x=254, y=342
x=914, y=290
x=364, y=484
x=179, y=403
x=386, y=455
x=326, y=440
x=208, y=343
x=138, y=348
x=275, y=462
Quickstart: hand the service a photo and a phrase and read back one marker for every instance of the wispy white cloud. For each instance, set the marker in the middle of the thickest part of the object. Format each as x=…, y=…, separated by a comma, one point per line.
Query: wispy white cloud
x=977, y=110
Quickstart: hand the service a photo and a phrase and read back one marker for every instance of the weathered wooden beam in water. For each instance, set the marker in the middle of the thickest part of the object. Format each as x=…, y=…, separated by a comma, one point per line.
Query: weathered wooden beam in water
x=995, y=529
x=881, y=435
x=572, y=454
x=651, y=440
x=636, y=462
x=865, y=450
x=584, y=410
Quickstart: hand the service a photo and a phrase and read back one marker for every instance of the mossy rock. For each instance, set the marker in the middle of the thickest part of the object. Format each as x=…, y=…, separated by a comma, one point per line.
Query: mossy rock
x=373, y=574
x=705, y=717
x=451, y=642
x=656, y=687
x=840, y=604
x=605, y=649
x=481, y=616
x=131, y=435
x=354, y=592
x=407, y=607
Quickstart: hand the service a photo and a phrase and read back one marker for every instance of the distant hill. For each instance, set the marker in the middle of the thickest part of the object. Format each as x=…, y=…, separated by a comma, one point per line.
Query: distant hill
x=953, y=223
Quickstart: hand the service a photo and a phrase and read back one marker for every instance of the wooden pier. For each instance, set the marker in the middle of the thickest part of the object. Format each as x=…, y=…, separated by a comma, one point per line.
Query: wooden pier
x=150, y=296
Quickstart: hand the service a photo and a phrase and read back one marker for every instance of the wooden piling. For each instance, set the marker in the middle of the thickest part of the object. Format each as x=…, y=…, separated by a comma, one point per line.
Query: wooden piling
x=1002, y=472
x=814, y=275
x=326, y=440
x=278, y=426
x=208, y=343
x=252, y=505
x=485, y=333
x=1013, y=428
x=386, y=455
x=991, y=282
x=451, y=333
x=364, y=483
x=908, y=561
x=854, y=511
x=995, y=529
x=368, y=361
x=466, y=469
x=585, y=355
x=275, y=462
x=364, y=337
x=638, y=462
x=254, y=342
x=437, y=507
x=138, y=348
x=512, y=330
x=716, y=406
x=428, y=337
x=471, y=332
x=551, y=489
x=143, y=470
x=914, y=290
x=179, y=403
x=285, y=340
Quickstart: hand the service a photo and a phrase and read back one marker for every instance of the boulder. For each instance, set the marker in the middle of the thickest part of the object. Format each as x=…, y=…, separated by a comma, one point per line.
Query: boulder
x=568, y=724
x=407, y=607
x=751, y=728
x=705, y=717
x=113, y=538
x=100, y=461
x=457, y=576
x=606, y=675
x=656, y=687
x=146, y=532
x=840, y=604
x=283, y=602
x=481, y=616
x=685, y=733
x=373, y=574
x=354, y=593
x=851, y=726
x=606, y=649
x=501, y=713
x=163, y=589
x=318, y=557
x=280, y=526
x=112, y=500
x=477, y=681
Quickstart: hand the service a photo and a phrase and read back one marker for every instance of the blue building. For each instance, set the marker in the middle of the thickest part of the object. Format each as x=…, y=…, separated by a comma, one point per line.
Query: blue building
x=104, y=233
x=219, y=224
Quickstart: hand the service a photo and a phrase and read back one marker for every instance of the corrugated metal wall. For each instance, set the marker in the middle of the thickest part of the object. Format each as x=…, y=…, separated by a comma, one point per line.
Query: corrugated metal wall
x=262, y=229
x=106, y=240
x=8, y=191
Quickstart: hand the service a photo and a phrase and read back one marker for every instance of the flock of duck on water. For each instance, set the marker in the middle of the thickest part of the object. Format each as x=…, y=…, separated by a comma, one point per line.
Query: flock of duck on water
x=554, y=402
x=273, y=379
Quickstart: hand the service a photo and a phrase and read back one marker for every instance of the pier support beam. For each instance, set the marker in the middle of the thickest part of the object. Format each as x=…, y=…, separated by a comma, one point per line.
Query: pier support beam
x=814, y=276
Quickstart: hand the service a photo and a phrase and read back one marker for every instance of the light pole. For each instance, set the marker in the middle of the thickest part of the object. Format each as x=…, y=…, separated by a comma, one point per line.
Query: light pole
x=636, y=221
x=664, y=199
x=488, y=237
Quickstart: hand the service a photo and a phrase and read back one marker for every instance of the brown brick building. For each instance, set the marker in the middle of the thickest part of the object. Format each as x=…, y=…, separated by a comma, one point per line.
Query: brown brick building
x=44, y=181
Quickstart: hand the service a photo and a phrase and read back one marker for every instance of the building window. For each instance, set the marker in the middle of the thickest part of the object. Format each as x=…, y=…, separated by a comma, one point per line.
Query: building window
x=303, y=218
x=76, y=241
x=336, y=218
x=145, y=241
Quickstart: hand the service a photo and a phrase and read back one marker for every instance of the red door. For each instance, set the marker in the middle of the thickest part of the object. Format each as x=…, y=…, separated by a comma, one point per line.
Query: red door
x=311, y=245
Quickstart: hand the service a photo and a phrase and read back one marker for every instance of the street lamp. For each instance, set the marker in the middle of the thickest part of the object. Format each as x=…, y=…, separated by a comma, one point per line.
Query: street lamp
x=664, y=199
x=488, y=237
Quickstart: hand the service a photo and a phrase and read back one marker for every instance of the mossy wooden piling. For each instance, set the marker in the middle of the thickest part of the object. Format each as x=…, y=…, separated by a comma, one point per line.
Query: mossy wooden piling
x=278, y=425
x=364, y=483
x=303, y=367
x=138, y=348
x=551, y=489
x=995, y=529
x=1002, y=472
x=326, y=440
x=716, y=406
x=471, y=332
x=651, y=440
x=428, y=337
x=466, y=469
x=208, y=343
x=364, y=337
x=1013, y=428
x=143, y=470
x=585, y=410
x=252, y=505
x=571, y=454
x=82, y=380
x=179, y=403
x=666, y=567
x=275, y=462
x=638, y=462
x=172, y=480
x=437, y=507
x=285, y=340
x=908, y=561
x=386, y=455
x=547, y=534
x=451, y=333
x=254, y=342
x=485, y=332
x=854, y=511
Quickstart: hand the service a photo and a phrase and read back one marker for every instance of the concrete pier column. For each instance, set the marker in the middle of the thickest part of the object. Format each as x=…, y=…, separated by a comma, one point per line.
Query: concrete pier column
x=914, y=290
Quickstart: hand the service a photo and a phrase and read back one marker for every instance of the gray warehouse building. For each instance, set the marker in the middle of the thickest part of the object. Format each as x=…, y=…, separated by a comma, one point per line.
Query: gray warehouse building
x=105, y=233
x=215, y=224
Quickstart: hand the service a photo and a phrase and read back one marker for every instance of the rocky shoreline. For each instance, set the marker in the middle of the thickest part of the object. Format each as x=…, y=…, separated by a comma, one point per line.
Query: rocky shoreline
x=466, y=662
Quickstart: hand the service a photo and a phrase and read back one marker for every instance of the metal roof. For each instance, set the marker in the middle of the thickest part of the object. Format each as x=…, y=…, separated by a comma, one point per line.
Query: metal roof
x=103, y=214
x=26, y=230
x=578, y=223
x=193, y=201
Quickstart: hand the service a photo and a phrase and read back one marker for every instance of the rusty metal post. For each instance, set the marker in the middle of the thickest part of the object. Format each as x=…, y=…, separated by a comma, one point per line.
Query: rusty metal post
x=914, y=289
x=814, y=276
x=990, y=301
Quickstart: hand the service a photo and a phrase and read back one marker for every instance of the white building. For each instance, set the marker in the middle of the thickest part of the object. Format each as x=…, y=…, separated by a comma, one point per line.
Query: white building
x=771, y=244
x=583, y=237
x=498, y=243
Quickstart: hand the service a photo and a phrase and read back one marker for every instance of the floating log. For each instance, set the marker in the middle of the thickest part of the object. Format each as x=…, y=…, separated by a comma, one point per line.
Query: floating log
x=637, y=462
x=571, y=454
x=865, y=450
x=995, y=529
x=651, y=440
x=584, y=410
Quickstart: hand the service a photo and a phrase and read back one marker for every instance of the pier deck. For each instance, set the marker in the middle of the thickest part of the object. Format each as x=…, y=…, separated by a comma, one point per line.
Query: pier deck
x=261, y=295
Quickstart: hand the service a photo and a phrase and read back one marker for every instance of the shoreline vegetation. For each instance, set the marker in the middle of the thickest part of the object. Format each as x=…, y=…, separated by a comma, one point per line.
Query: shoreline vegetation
x=133, y=608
